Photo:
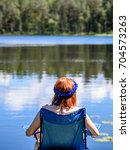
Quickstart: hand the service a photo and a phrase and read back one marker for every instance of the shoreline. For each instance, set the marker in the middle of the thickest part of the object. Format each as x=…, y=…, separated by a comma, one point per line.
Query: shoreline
x=59, y=34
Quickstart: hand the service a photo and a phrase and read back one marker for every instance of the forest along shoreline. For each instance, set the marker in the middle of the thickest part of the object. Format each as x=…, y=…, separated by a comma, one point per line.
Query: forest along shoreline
x=56, y=17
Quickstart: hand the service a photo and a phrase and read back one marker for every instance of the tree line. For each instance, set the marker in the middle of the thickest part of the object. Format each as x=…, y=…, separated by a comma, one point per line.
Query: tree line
x=56, y=16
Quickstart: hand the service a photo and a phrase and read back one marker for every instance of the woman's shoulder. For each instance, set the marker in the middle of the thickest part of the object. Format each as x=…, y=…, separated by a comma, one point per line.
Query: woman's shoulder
x=73, y=109
x=56, y=109
x=47, y=106
x=76, y=108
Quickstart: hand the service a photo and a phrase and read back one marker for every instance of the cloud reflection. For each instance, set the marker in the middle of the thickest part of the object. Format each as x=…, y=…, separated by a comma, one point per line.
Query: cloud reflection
x=19, y=92
x=96, y=90
x=4, y=79
x=16, y=98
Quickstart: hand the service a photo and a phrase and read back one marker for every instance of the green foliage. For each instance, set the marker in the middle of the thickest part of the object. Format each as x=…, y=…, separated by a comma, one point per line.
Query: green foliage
x=56, y=16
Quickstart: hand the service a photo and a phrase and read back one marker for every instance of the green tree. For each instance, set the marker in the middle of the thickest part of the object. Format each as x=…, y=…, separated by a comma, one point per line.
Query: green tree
x=95, y=7
x=56, y=16
x=1, y=22
x=10, y=14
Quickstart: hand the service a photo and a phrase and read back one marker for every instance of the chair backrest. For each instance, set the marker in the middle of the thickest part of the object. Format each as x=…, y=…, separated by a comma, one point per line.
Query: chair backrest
x=62, y=131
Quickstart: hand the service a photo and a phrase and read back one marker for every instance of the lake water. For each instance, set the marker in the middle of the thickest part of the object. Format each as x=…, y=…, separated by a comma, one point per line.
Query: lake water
x=53, y=40
x=27, y=76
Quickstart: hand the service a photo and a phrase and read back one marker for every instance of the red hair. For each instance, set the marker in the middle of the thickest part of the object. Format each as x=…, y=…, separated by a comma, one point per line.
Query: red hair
x=64, y=84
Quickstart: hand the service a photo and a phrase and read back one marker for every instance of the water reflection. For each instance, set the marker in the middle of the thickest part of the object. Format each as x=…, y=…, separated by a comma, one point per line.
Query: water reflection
x=19, y=92
x=27, y=76
x=59, y=60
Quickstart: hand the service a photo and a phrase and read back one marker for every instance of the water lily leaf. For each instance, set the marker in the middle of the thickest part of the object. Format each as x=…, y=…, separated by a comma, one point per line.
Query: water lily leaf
x=104, y=139
x=107, y=122
x=103, y=134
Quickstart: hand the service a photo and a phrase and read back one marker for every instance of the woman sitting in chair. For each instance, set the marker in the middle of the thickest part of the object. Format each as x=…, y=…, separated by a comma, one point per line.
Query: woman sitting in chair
x=63, y=106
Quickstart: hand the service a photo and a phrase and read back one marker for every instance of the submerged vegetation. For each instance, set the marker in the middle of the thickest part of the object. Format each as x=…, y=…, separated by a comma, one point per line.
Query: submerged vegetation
x=56, y=16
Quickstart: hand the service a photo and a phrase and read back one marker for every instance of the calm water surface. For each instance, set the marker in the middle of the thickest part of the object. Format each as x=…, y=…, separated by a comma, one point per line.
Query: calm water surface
x=27, y=76
x=53, y=40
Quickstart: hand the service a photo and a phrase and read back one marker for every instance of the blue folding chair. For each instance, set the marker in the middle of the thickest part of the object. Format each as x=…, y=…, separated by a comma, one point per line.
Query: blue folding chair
x=63, y=132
